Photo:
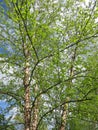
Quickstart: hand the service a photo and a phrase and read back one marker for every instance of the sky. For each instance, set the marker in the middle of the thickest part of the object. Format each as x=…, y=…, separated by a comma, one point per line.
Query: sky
x=2, y=4
x=3, y=104
x=2, y=50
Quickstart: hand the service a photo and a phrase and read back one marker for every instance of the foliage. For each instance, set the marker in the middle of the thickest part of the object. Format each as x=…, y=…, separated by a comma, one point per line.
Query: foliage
x=61, y=37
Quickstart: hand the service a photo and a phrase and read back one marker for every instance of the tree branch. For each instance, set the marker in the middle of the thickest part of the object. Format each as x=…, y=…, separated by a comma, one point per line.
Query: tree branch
x=13, y=95
x=51, y=110
x=69, y=46
x=18, y=12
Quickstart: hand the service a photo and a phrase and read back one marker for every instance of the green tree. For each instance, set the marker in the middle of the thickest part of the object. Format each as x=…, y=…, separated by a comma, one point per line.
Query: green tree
x=50, y=65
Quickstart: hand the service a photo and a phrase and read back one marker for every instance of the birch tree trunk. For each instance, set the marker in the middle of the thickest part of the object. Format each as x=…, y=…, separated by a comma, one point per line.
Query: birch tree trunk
x=35, y=111
x=27, y=109
x=64, y=115
x=65, y=107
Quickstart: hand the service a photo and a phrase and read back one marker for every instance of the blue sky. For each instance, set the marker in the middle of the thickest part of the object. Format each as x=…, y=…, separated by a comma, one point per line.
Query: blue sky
x=3, y=105
x=2, y=4
x=2, y=50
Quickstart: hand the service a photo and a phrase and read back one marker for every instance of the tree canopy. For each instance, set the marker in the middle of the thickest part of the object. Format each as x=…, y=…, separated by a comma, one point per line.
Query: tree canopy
x=49, y=68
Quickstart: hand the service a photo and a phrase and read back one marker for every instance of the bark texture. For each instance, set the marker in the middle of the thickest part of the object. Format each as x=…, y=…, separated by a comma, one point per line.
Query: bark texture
x=35, y=111
x=27, y=109
x=64, y=116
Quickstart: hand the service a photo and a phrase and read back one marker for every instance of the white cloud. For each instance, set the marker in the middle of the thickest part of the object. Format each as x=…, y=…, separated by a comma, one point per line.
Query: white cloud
x=12, y=113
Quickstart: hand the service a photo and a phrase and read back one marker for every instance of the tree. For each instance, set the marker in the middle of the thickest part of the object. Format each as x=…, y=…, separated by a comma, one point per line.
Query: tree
x=47, y=65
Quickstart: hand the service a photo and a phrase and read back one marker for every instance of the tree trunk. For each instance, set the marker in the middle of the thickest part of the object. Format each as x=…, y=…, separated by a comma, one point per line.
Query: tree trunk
x=65, y=107
x=35, y=111
x=27, y=109
x=64, y=116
